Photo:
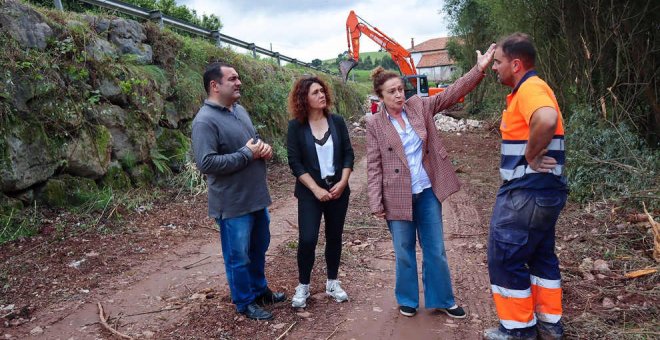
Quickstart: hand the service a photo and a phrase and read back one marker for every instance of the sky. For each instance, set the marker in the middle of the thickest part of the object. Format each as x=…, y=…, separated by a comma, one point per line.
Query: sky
x=308, y=30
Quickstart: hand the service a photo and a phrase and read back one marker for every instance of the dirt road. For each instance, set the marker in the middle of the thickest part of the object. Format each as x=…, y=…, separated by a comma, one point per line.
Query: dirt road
x=177, y=288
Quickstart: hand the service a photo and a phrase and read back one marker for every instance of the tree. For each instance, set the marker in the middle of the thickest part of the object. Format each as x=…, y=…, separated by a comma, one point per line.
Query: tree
x=317, y=62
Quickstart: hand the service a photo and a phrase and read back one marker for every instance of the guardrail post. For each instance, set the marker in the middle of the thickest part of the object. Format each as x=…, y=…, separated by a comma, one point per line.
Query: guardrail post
x=58, y=4
x=277, y=57
x=252, y=47
x=215, y=35
x=157, y=16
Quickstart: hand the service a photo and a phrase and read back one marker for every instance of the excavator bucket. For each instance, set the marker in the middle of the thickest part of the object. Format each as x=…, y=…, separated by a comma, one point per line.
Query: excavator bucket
x=345, y=67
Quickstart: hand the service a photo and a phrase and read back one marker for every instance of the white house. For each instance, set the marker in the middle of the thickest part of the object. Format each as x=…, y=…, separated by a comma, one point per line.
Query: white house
x=432, y=59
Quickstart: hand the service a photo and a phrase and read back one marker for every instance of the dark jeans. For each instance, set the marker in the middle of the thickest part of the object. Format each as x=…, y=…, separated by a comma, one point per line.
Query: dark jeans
x=245, y=240
x=309, y=223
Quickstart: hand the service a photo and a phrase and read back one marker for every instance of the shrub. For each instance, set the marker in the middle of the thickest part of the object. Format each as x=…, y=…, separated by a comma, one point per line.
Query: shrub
x=607, y=161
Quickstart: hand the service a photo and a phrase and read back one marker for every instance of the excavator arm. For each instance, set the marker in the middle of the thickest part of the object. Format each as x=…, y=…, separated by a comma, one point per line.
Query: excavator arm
x=355, y=27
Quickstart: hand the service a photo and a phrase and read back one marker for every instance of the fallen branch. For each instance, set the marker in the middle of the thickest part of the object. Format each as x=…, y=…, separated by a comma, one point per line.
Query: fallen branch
x=104, y=322
x=196, y=262
x=335, y=331
x=291, y=224
x=286, y=331
x=655, y=226
x=641, y=272
x=207, y=227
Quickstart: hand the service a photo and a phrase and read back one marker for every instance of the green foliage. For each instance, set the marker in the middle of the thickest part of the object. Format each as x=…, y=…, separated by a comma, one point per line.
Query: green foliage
x=17, y=224
x=607, y=161
x=128, y=161
x=279, y=151
x=168, y=7
x=191, y=179
x=160, y=161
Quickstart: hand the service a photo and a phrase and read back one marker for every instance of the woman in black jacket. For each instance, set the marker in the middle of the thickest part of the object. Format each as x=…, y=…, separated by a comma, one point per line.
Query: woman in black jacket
x=321, y=157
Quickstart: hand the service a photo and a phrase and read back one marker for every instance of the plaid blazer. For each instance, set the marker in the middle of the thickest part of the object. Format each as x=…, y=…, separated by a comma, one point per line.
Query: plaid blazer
x=389, y=183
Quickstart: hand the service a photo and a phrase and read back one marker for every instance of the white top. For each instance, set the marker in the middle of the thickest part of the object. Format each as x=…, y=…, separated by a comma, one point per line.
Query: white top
x=326, y=154
x=412, y=146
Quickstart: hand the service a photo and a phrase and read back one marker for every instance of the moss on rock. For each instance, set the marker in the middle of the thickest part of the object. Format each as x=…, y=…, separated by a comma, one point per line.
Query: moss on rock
x=116, y=178
x=142, y=176
x=68, y=191
x=9, y=204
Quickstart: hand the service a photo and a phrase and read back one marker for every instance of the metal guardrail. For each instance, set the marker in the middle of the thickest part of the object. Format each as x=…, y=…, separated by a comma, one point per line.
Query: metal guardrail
x=218, y=37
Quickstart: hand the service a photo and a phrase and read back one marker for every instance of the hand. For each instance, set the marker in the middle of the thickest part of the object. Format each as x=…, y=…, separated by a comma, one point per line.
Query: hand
x=256, y=148
x=267, y=152
x=322, y=194
x=379, y=214
x=543, y=163
x=338, y=189
x=484, y=60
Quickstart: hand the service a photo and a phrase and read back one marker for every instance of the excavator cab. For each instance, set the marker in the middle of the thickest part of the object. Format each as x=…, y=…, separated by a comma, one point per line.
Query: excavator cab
x=416, y=84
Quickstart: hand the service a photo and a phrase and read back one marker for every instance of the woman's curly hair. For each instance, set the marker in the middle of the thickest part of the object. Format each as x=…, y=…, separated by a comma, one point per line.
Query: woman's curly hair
x=298, y=103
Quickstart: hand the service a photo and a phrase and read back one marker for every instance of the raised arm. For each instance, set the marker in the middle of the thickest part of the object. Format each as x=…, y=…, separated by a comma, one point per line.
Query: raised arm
x=462, y=86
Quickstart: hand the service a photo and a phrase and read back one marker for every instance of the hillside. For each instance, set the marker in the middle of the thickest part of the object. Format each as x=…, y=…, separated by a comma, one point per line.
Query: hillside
x=92, y=105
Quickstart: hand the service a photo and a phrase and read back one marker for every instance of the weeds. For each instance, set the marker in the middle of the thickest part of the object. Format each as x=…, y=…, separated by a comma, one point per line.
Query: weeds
x=607, y=161
x=191, y=179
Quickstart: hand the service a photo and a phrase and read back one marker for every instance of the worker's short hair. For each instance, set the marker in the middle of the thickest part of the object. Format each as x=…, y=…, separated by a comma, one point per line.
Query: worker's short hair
x=519, y=46
x=214, y=72
x=298, y=102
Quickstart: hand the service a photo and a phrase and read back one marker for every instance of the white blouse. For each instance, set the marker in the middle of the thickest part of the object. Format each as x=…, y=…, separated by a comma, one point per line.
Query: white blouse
x=326, y=154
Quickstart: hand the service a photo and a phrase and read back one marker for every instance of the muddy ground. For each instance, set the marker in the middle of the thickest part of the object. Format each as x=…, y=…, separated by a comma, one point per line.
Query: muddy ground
x=154, y=265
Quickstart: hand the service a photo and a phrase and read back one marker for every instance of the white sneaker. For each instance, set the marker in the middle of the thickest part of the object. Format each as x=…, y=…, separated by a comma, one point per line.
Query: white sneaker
x=333, y=289
x=299, y=300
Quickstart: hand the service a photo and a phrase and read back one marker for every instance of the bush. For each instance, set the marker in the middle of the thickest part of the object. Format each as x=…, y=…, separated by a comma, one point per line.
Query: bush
x=606, y=161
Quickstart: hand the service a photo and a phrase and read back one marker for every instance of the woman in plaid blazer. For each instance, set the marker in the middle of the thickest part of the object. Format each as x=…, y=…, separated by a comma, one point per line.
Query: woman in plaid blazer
x=409, y=174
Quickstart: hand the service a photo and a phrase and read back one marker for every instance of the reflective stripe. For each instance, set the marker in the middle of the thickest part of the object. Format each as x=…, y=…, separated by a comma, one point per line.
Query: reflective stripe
x=547, y=298
x=546, y=283
x=511, y=293
x=521, y=170
x=518, y=149
x=510, y=324
x=515, y=307
x=551, y=318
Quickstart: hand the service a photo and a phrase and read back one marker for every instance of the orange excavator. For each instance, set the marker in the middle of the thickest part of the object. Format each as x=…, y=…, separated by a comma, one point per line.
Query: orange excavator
x=413, y=83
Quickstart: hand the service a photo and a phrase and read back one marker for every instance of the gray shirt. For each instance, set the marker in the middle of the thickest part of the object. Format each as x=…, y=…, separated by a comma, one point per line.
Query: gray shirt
x=236, y=182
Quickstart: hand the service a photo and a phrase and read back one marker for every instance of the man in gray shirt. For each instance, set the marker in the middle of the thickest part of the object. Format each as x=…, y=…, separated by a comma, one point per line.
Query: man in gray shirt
x=228, y=150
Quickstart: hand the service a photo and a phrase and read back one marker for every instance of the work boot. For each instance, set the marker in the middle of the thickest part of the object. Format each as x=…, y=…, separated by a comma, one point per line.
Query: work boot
x=299, y=299
x=550, y=331
x=268, y=297
x=503, y=334
x=333, y=289
x=255, y=312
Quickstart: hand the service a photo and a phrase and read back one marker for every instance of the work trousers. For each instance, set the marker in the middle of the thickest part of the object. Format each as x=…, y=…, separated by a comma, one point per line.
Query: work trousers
x=309, y=224
x=523, y=267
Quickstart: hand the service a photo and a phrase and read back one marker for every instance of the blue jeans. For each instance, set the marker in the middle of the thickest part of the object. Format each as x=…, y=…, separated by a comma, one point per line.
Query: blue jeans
x=427, y=226
x=245, y=240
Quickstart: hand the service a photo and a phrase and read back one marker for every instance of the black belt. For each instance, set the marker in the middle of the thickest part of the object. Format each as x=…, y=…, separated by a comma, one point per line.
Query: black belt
x=330, y=181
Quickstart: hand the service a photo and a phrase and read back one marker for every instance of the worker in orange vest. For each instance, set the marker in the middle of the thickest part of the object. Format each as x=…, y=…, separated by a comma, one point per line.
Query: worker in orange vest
x=522, y=264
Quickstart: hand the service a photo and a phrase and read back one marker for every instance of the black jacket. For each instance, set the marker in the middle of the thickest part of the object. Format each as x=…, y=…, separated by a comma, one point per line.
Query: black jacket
x=303, y=158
